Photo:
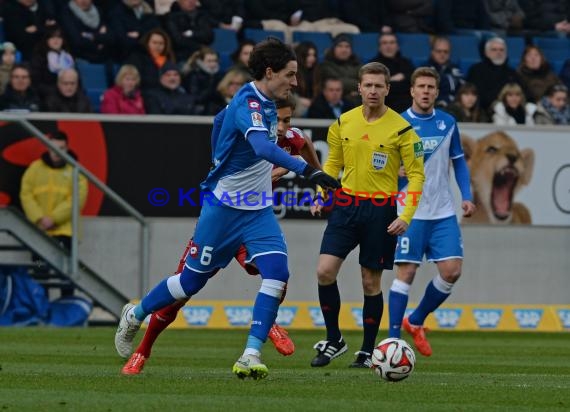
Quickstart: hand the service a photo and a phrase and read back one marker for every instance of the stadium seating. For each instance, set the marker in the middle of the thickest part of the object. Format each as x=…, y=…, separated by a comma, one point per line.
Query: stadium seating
x=557, y=65
x=258, y=35
x=415, y=46
x=553, y=48
x=515, y=48
x=93, y=80
x=466, y=63
x=464, y=47
x=322, y=40
x=225, y=41
x=365, y=45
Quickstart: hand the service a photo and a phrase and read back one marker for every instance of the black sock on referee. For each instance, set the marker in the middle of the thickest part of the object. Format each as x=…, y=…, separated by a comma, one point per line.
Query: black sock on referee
x=329, y=298
x=371, y=317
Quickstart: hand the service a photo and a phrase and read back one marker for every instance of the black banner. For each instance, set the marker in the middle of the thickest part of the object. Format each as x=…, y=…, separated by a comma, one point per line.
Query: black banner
x=156, y=167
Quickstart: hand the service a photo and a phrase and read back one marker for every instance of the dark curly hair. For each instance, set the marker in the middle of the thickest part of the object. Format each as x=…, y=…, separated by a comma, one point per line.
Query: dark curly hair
x=271, y=52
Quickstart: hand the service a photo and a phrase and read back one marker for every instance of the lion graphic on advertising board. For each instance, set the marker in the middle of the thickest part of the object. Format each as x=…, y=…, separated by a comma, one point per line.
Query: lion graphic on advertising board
x=498, y=171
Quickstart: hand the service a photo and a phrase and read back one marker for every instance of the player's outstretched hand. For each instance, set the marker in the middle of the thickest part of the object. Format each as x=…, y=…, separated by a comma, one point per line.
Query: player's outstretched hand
x=397, y=227
x=468, y=208
x=320, y=178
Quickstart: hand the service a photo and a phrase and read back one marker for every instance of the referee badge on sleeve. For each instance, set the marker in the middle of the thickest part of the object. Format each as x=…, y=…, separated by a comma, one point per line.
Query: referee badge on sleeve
x=379, y=160
x=418, y=149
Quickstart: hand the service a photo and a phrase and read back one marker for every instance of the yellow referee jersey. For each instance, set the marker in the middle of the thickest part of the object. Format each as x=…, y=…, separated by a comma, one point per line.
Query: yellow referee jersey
x=371, y=154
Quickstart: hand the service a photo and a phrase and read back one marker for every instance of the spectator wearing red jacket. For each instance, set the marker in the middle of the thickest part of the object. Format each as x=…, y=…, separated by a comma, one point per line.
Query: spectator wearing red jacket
x=124, y=97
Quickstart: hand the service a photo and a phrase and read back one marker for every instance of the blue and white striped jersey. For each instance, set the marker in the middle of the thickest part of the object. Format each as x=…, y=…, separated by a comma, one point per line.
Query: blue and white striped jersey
x=441, y=141
x=238, y=172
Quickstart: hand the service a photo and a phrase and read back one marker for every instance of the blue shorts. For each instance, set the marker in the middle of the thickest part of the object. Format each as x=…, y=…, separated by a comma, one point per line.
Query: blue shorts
x=366, y=225
x=221, y=230
x=438, y=239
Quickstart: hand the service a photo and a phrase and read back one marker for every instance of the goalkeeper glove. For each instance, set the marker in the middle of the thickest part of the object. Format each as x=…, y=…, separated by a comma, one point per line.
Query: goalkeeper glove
x=320, y=178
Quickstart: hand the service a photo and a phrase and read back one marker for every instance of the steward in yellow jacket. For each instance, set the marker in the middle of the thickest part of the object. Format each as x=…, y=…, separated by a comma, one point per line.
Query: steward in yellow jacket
x=46, y=191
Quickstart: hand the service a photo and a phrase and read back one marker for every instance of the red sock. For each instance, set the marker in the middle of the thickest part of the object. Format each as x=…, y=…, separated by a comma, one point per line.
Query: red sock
x=158, y=322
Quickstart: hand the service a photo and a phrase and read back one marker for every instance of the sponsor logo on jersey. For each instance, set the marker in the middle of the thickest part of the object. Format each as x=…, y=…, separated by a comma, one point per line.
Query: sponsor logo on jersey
x=487, y=318
x=357, y=315
x=440, y=124
x=239, y=315
x=197, y=315
x=316, y=316
x=431, y=143
x=257, y=119
x=253, y=104
x=447, y=318
x=528, y=318
x=418, y=149
x=379, y=160
x=286, y=315
x=564, y=316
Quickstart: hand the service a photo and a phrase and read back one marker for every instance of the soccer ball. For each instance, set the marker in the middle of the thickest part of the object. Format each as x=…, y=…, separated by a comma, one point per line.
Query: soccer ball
x=393, y=359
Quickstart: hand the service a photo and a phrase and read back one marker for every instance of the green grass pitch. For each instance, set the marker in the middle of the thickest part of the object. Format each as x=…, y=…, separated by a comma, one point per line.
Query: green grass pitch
x=47, y=369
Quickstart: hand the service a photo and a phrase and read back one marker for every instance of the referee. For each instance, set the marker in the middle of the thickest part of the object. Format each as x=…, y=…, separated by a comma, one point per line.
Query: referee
x=369, y=143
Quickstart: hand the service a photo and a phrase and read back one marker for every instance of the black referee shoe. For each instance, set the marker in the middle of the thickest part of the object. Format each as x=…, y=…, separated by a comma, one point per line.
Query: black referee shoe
x=327, y=351
x=363, y=360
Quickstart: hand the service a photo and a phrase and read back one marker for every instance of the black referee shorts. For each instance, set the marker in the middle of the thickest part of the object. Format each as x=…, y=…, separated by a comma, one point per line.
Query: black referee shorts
x=365, y=224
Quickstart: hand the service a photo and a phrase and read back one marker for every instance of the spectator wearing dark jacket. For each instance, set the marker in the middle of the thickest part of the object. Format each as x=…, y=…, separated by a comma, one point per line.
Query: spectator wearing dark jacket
x=169, y=97
x=51, y=56
x=202, y=77
x=19, y=95
x=410, y=16
x=466, y=108
x=25, y=22
x=225, y=14
x=189, y=28
x=374, y=20
x=506, y=16
x=457, y=15
x=450, y=77
x=340, y=62
x=85, y=28
x=492, y=73
x=329, y=104
x=154, y=51
x=401, y=70
x=68, y=98
x=269, y=14
x=129, y=21
x=535, y=73
x=543, y=16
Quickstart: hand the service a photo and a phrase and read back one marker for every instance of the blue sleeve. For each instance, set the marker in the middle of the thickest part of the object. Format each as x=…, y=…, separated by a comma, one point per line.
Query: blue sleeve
x=462, y=177
x=455, y=149
x=273, y=153
x=217, y=126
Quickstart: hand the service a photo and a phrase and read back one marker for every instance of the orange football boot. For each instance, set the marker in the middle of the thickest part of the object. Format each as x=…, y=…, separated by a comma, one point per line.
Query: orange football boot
x=281, y=340
x=419, y=335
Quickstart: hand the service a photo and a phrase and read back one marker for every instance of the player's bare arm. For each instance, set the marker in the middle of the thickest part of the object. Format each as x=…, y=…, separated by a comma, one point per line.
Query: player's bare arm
x=468, y=208
x=397, y=227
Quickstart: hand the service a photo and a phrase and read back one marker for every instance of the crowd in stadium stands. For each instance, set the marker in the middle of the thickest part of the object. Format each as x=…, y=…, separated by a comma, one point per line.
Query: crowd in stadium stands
x=500, y=61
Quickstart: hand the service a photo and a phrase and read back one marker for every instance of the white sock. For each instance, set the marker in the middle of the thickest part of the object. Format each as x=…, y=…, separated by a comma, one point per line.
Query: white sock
x=442, y=285
x=250, y=351
x=401, y=287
